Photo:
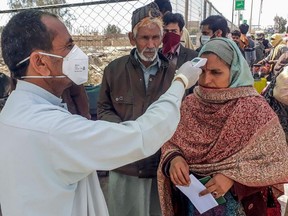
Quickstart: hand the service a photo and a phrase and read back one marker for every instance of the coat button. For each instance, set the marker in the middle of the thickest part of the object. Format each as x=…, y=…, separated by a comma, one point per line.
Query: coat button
x=250, y=206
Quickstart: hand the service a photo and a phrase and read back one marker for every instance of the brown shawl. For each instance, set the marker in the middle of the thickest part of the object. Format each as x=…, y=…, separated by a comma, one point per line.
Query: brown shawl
x=231, y=131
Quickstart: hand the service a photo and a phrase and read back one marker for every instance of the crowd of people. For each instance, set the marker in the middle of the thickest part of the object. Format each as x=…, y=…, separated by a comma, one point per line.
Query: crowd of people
x=159, y=120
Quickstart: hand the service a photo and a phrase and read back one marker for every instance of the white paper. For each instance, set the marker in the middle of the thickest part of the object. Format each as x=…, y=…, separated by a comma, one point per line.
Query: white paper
x=203, y=203
x=283, y=202
x=286, y=189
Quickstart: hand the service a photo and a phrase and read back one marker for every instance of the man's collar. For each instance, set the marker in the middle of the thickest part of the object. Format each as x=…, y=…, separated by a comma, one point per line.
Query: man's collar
x=177, y=50
x=38, y=90
x=157, y=60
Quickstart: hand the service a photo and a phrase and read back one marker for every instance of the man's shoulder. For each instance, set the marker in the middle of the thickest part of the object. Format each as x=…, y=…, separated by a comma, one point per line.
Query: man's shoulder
x=243, y=41
x=182, y=48
x=251, y=42
x=118, y=62
x=188, y=51
x=120, y=59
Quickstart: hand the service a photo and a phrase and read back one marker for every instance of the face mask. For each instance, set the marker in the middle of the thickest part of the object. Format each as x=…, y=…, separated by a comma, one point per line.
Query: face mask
x=204, y=39
x=75, y=66
x=170, y=42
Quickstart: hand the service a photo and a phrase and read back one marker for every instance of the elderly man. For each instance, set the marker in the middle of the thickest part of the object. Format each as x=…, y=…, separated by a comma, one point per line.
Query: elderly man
x=49, y=156
x=130, y=84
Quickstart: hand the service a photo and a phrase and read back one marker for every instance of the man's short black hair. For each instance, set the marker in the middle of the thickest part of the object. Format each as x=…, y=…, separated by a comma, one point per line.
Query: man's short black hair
x=244, y=28
x=24, y=33
x=174, y=18
x=164, y=6
x=216, y=22
x=236, y=33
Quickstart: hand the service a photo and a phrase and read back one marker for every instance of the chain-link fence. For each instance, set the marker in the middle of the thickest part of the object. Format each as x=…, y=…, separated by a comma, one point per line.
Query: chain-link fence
x=100, y=27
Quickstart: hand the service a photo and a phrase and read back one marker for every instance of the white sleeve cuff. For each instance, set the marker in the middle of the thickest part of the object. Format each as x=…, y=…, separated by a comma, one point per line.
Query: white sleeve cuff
x=183, y=78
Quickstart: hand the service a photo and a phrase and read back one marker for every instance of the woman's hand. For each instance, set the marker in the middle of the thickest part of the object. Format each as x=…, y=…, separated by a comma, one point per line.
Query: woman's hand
x=218, y=186
x=179, y=171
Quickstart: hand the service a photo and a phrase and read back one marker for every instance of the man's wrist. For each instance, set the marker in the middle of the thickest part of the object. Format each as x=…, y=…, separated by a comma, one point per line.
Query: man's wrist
x=179, y=79
x=182, y=78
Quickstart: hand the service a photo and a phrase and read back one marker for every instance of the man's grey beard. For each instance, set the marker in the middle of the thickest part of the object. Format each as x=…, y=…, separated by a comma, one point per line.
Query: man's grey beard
x=148, y=59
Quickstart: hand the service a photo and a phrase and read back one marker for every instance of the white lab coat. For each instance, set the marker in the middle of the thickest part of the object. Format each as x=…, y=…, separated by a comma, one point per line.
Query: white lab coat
x=48, y=157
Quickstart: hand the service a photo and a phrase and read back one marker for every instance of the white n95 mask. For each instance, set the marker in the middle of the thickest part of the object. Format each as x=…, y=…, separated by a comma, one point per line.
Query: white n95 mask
x=74, y=66
x=204, y=39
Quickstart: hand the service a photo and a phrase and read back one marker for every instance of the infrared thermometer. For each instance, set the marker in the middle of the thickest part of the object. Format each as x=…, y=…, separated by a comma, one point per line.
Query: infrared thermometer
x=198, y=62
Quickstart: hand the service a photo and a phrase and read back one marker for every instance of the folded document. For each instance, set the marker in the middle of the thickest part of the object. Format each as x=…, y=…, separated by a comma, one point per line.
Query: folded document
x=203, y=203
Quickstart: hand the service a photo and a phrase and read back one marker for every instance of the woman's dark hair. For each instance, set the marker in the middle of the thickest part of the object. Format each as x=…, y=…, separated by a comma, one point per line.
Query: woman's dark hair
x=24, y=33
x=174, y=18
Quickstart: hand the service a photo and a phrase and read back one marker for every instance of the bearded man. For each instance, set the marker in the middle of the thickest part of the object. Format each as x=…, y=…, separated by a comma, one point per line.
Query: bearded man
x=130, y=84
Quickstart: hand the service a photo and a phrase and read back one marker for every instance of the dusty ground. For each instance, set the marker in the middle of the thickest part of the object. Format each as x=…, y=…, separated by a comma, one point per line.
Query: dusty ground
x=3, y=67
x=100, y=59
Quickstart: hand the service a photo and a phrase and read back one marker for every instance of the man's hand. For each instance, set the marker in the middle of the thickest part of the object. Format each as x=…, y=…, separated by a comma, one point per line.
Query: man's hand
x=179, y=171
x=218, y=186
x=188, y=74
x=272, y=62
